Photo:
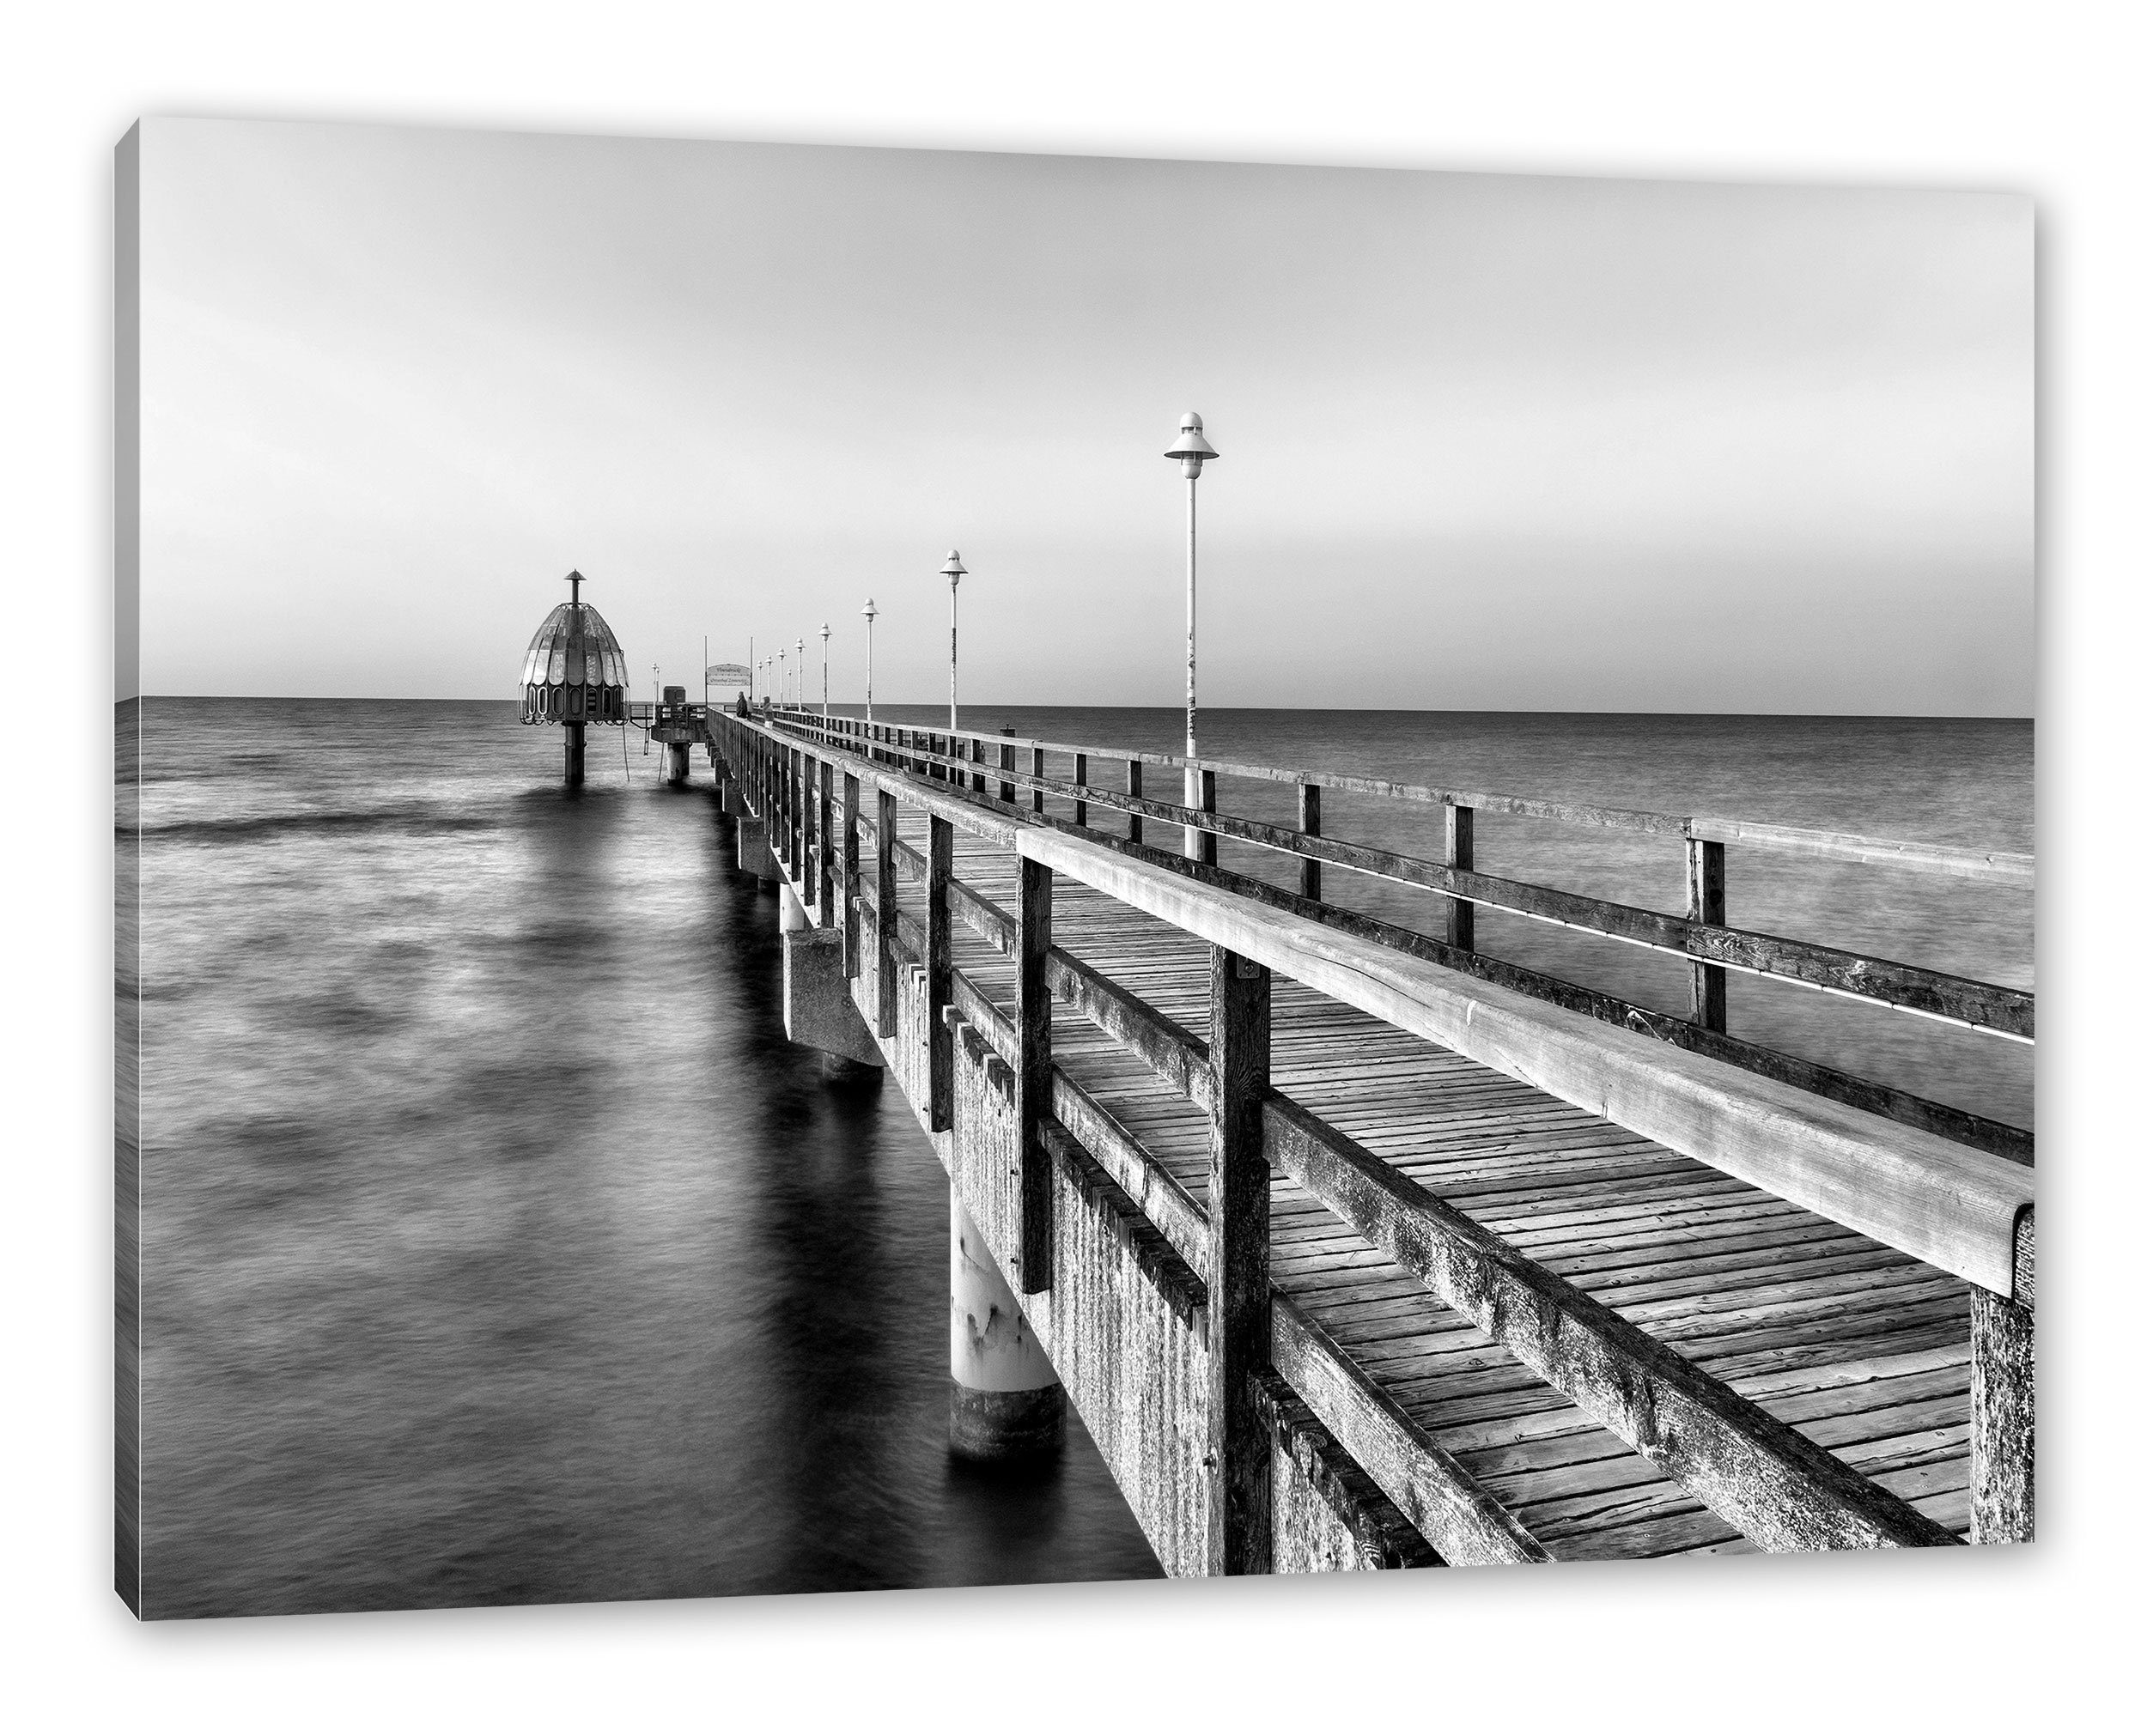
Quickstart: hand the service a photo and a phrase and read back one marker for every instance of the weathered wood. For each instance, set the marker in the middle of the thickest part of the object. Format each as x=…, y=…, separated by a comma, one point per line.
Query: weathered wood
x=1952, y=1207
x=1461, y=854
x=1308, y=822
x=1133, y=791
x=1447, y=1505
x=884, y=895
x=1005, y=764
x=1035, y=770
x=1080, y=777
x=823, y=832
x=1032, y=1099
x=1763, y=1476
x=2001, y=1419
x=2002, y=867
x=1239, y=1293
x=1322, y=1497
x=852, y=895
x=1706, y=900
x=1204, y=841
x=939, y=972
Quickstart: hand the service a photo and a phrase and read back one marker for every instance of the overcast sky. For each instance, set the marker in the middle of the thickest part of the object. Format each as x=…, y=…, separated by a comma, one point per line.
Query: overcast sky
x=1489, y=442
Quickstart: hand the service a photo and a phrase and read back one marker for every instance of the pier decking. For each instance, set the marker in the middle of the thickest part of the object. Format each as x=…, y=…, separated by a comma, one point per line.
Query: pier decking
x=1502, y=1272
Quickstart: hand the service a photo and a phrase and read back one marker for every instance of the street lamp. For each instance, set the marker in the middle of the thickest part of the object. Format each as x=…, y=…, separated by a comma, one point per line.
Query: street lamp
x=825, y=631
x=782, y=675
x=801, y=676
x=1192, y=450
x=954, y=569
x=868, y=612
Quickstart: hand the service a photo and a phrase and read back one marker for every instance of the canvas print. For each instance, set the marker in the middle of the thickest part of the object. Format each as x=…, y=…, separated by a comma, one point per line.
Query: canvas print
x=846, y=869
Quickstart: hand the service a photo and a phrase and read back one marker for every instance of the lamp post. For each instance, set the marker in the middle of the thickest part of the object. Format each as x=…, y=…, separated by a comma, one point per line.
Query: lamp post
x=782, y=675
x=869, y=611
x=1192, y=451
x=954, y=569
x=825, y=631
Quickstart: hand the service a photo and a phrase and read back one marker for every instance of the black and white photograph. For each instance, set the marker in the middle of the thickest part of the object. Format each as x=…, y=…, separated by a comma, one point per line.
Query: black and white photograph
x=849, y=869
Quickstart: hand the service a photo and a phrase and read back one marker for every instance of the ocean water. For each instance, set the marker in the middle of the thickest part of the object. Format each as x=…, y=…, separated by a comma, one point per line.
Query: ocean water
x=497, y=1247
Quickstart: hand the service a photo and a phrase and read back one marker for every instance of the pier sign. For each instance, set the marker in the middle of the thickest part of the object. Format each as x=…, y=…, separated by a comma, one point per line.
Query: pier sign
x=729, y=675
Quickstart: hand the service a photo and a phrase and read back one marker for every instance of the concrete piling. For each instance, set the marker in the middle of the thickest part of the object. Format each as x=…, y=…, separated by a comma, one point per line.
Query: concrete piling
x=1004, y=1399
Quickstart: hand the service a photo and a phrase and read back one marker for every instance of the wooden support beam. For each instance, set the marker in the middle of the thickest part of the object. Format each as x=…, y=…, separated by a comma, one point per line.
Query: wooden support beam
x=2002, y=1403
x=1133, y=789
x=851, y=894
x=1204, y=842
x=823, y=832
x=884, y=918
x=1461, y=854
x=1005, y=764
x=1080, y=778
x=1707, y=901
x=1035, y=770
x=1308, y=822
x=939, y=972
x=1239, y=1304
x=1033, y=1074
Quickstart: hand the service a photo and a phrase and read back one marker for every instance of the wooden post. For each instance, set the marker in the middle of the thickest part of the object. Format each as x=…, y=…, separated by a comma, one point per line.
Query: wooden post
x=1204, y=847
x=1308, y=867
x=939, y=931
x=1032, y=1103
x=1035, y=770
x=1133, y=788
x=977, y=755
x=1080, y=777
x=1005, y=764
x=885, y=917
x=1706, y=900
x=850, y=966
x=1461, y=853
x=2001, y=1419
x=825, y=828
x=1238, y=1307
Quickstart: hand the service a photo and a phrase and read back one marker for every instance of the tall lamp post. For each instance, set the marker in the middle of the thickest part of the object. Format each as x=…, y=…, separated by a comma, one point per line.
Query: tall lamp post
x=954, y=569
x=1192, y=451
x=801, y=675
x=782, y=675
x=825, y=631
x=869, y=611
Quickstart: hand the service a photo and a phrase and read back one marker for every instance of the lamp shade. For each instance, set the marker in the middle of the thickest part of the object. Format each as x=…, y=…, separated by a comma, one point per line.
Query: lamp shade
x=953, y=568
x=1192, y=443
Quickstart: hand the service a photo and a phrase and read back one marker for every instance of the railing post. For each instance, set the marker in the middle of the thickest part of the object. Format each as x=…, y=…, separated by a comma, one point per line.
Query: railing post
x=2002, y=1403
x=1035, y=770
x=1204, y=847
x=1080, y=778
x=1461, y=853
x=886, y=919
x=850, y=893
x=1133, y=788
x=826, y=826
x=1706, y=900
x=1239, y=1530
x=976, y=757
x=1033, y=1023
x=1308, y=867
x=1005, y=764
x=938, y=966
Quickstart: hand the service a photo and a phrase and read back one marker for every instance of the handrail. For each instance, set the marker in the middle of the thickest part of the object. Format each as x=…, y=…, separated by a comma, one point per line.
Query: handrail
x=1954, y=1208
x=1989, y=1008
x=2001, y=866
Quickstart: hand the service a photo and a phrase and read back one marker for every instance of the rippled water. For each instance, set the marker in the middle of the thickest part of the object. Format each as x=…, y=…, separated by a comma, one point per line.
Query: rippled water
x=499, y=1249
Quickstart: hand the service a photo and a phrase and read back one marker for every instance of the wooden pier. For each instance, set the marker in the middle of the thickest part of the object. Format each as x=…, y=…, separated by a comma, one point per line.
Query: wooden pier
x=1354, y=1248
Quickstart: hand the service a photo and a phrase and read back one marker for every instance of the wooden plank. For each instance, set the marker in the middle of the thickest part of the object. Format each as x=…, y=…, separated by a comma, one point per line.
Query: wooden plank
x=1080, y=778
x=2001, y=1419
x=1238, y=1291
x=1443, y=1501
x=1954, y=1208
x=852, y=897
x=823, y=773
x=1032, y=1072
x=1133, y=792
x=885, y=906
x=938, y=974
x=2004, y=867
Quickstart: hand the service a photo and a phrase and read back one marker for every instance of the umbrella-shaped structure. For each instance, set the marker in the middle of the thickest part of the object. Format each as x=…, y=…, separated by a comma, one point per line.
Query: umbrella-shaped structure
x=574, y=674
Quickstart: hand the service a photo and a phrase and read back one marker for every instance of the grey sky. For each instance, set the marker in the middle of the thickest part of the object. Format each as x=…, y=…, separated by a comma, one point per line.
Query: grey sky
x=1488, y=441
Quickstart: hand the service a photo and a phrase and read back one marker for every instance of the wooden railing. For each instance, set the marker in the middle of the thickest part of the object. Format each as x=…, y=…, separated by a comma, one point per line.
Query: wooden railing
x=1945, y=1200
x=1713, y=949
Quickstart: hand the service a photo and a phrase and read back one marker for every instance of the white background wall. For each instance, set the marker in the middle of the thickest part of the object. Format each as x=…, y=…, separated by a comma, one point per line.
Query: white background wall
x=2038, y=98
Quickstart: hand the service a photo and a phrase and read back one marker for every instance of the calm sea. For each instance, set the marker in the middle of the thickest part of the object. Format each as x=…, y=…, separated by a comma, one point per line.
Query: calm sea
x=498, y=1247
